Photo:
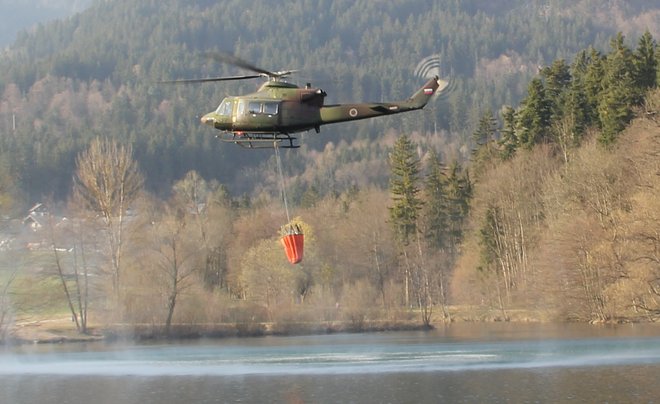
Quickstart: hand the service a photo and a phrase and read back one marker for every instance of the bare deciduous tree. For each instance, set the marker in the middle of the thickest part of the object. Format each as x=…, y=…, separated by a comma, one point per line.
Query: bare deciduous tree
x=267, y=277
x=175, y=250
x=583, y=206
x=107, y=181
x=508, y=212
x=207, y=204
x=69, y=244
x=5, y=304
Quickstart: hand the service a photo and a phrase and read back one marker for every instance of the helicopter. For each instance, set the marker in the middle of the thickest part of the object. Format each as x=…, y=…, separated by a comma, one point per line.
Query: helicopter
x=270, y=116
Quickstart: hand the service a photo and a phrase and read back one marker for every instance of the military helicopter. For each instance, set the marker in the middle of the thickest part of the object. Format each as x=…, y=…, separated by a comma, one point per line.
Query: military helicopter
x=269, y=117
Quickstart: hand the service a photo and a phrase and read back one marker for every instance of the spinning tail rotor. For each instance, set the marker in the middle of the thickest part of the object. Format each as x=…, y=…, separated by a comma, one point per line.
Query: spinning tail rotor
x=430, y=67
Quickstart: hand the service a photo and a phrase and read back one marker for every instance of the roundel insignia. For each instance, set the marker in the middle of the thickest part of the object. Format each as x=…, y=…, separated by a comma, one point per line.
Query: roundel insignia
x=353, y=112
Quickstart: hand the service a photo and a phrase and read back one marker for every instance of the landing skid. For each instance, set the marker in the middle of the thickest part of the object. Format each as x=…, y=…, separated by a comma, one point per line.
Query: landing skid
x=262, y=140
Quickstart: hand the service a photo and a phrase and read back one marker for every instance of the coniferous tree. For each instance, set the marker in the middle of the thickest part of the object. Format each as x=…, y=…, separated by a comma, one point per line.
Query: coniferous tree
x=404, y=214
x=557, y=79
x=484, y=139
x=437, y=210
x=576, y=106
x=459, y=193
x=508, y=141
x=534, y=115
x=619, y=91
x=646, y=62
x=486, y=129
x=488, y=235
x=594, y=70
x=404, y=186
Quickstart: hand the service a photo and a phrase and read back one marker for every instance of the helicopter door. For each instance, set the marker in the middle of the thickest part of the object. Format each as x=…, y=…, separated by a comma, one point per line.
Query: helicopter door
x=258, y=115
x=240, y=110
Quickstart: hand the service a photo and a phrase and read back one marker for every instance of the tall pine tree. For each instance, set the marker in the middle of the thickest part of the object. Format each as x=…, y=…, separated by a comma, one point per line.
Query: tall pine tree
x=459, y=194
x=557, y=80
x=534, y=115
x=508, y=141
x=594, y=70
x=404, y=186
x=619, y=91
x=646, y=62
x=576, y=107
x=436, y=212
x=484, y=139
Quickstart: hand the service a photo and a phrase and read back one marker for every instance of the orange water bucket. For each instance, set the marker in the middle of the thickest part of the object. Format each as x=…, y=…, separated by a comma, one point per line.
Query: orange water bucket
x=293, y=247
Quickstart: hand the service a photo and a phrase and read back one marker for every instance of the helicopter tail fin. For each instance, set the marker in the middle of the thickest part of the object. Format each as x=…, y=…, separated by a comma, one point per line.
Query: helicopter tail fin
x=424, y=94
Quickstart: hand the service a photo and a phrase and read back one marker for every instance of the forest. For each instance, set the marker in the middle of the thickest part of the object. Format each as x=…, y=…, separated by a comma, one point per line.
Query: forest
x=95, y=74
x=529, y=191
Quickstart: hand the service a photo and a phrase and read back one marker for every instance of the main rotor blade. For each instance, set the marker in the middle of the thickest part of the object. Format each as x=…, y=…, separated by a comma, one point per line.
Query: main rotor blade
x=236, y=61
x=225, y=78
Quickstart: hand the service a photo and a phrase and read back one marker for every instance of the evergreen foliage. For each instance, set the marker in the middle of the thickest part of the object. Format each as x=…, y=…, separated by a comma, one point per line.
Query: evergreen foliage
x=619, y=90
x=551, y=213
x=508, y=141
x=645, y=59
x=436, y=216
x=486, y=129
x=534, y=116
x=459, y=191
x=557, y=78
x=484, y=139
x=596, y=91
x=404, y=187
x=67, y=82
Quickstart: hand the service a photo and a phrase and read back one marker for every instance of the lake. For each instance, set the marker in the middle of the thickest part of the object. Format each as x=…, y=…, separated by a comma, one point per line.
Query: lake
x=460, y=363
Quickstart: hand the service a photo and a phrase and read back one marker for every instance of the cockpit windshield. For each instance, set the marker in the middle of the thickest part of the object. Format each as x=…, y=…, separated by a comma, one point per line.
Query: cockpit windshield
x=224, y=108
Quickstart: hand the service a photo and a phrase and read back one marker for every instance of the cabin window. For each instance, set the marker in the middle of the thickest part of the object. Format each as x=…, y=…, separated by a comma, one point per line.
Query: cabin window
x=270, y=108
x=262, y=107
x=241, y=108
x=254, y=107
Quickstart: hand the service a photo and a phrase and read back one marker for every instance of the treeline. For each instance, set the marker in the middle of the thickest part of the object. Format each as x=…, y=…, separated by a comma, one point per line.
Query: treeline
x=565, y=213
x=556, y=213
x=560, y=230
x=94, y=74
x=124, y=256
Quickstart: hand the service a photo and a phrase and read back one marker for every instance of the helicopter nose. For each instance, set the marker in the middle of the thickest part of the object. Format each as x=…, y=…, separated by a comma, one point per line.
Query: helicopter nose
x=208, y=120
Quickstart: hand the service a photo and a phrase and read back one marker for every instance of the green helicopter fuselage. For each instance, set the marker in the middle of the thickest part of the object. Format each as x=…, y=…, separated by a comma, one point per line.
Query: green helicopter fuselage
x=279, y=107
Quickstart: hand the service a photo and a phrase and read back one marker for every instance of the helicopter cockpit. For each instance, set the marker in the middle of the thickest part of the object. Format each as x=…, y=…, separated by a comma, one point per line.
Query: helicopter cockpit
x=225, y=107
x=251, y=107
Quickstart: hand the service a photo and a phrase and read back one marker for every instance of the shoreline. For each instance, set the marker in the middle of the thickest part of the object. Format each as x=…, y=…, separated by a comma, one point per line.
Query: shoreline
x=40, y=334
x=59, y=331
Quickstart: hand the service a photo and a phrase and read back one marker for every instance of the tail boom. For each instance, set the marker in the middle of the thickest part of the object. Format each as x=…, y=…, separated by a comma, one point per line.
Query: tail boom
x=353, y=112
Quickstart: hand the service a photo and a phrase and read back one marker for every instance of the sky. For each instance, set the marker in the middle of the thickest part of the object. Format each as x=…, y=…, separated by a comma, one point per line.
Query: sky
x=17, y=15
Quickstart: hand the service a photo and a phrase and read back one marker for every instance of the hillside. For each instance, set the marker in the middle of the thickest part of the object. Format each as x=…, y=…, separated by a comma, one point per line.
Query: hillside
x=575, y=240
x=93, y=75
x=539, y=198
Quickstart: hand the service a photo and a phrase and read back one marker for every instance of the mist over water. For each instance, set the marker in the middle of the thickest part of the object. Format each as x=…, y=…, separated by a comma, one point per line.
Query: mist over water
x=325, y=357
x=517, y=363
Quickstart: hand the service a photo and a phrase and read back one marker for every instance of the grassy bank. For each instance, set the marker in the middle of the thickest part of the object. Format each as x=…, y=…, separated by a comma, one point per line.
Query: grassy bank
x=61, y=329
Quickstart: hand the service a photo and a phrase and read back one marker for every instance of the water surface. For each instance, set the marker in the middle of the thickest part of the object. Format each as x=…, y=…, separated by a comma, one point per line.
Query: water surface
x=459, y=363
